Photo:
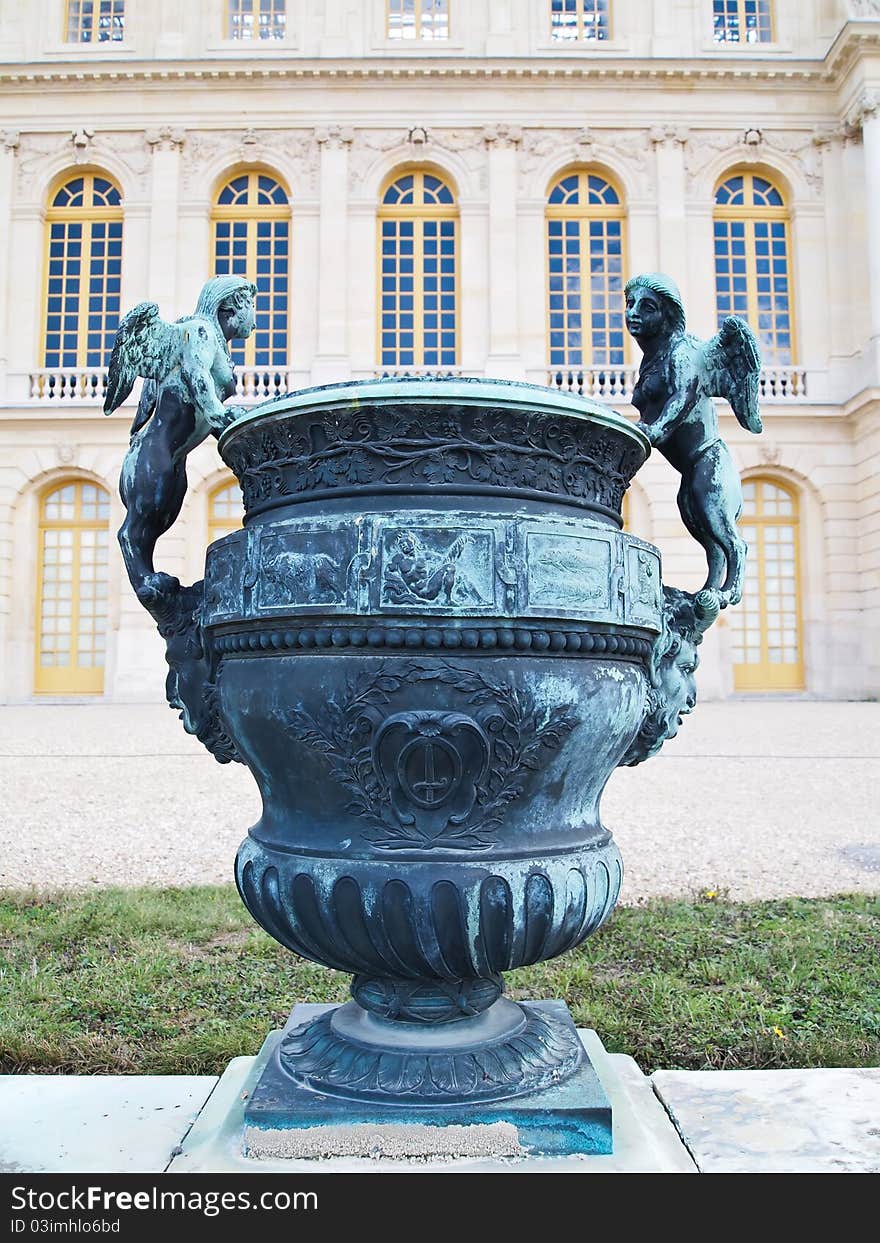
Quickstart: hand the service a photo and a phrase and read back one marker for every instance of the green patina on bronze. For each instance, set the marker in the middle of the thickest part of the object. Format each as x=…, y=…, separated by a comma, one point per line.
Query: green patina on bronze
x=678, y=378
x=432, y=643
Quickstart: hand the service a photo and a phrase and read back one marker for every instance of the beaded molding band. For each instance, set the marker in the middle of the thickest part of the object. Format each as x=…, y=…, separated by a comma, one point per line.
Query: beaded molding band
x=506, y=638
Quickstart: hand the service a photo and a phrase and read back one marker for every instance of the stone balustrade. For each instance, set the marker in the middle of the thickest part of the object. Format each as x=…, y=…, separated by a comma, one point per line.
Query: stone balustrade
x=614, y=384
x=54, y=384
x=89, y=384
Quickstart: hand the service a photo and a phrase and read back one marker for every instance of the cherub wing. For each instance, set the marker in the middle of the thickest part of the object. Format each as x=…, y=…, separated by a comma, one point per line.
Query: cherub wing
x=732, y=363
x=145, y=346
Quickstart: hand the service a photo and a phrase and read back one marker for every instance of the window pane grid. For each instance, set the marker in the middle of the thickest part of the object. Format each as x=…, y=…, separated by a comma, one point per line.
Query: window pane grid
x=765, y=628
x=252, y=239
x=256, y=19
x=573, y=21
x=417, y=19
x=585, y=273
x=83, y=273
x=752, y=263
x=742, y=21
x=418, y=318
x=225, y=511
x=95, y=21
x=73, y=584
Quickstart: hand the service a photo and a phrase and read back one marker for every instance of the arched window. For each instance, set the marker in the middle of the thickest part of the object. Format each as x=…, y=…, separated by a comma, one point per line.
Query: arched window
x=83, y=272
x=225, y=511
x=251, y=227
x=585, y=265
x=418, y=320
x=766, y=626
x=72, y=574
x=753, y=262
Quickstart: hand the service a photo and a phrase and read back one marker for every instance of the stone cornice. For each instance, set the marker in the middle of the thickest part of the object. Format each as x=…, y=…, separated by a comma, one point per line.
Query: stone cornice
x=855, y=39
x=748, y=70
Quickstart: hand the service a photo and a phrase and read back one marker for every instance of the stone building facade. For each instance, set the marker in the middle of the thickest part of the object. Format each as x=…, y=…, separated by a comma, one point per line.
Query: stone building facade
x=441, y=185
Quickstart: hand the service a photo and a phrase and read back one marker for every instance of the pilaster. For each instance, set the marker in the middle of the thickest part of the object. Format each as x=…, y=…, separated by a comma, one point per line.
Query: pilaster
x=9, y=142
x=332, y=362
x=502, y=142
x=672, y=238
x=166, y=145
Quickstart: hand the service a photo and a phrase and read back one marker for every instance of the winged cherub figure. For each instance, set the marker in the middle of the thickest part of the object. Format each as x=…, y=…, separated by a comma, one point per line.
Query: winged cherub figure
x=678, y=378
x=188, y=374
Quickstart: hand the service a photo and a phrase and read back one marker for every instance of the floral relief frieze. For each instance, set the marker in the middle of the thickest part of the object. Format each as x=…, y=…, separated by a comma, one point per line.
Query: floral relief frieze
x=39, y=156
x=623, y=150
x=467, y=145
x=294, y=152
x=802, y=148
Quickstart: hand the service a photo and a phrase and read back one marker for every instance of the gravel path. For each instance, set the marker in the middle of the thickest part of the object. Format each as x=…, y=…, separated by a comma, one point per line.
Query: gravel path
x=757, y=799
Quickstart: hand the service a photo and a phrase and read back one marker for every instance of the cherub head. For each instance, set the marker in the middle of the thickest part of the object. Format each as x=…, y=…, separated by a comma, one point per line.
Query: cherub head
x=407, y=544
x=229, y=302
x=673, y=690
x=653, y=306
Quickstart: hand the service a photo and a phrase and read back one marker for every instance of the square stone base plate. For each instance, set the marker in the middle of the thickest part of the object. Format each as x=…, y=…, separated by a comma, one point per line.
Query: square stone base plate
x=571, y=1116
x=644, y=1139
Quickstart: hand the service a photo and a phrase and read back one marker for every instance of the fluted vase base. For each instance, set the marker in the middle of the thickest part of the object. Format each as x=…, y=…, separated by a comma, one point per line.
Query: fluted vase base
x=520, y=1063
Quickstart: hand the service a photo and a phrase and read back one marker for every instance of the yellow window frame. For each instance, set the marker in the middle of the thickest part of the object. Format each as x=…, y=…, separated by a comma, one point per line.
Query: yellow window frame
x=417, y=211
x=766, y=675
x=69, y=679
x=252, y=213
x=584, y=211
x=255, y=37
x=741, y=17
x=219, y=524
x=418, y=15
x=86, y=215
x=581, y=25
x=753, y=215
x=94, y=28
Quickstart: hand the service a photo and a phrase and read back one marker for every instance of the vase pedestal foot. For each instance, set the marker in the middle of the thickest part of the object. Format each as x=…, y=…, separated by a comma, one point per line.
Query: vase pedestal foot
x=520, y=1064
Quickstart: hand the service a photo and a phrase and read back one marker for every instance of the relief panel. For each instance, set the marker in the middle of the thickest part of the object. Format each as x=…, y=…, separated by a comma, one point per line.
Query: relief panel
x=644, y=596
x=569, y=575
x=305, y=570
x=430, y=567
x=224, y=578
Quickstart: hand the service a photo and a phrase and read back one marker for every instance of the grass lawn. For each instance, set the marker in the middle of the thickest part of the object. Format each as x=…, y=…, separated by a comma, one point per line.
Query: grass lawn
x=178, y=981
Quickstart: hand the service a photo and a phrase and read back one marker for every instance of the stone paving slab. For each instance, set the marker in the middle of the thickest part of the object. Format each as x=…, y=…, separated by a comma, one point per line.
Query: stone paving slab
x=776, y=1121
x=124, y=1124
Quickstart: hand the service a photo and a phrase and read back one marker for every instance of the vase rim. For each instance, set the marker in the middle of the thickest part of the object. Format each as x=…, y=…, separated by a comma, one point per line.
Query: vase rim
x=458, y=390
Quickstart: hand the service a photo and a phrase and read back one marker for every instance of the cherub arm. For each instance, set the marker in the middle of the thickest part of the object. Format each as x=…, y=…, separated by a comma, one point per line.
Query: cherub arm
x=683, y=397
x=199, y=352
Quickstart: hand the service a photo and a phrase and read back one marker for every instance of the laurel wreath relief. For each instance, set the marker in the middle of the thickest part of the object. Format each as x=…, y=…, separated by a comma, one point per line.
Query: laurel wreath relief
x=520, y=732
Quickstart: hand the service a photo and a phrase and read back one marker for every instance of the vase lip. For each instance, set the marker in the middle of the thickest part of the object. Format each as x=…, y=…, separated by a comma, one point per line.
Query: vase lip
x=456, y=390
